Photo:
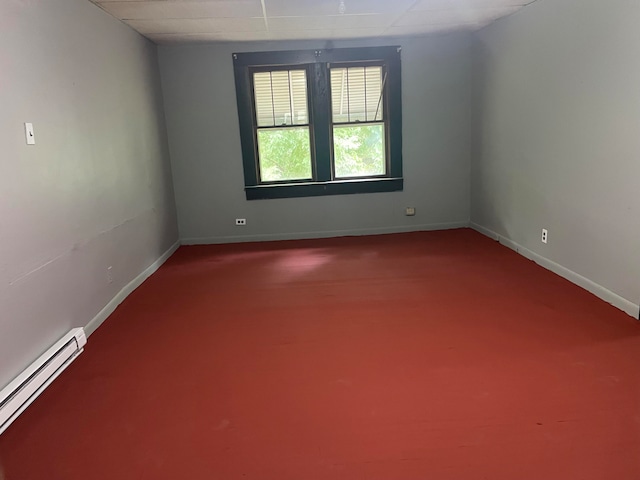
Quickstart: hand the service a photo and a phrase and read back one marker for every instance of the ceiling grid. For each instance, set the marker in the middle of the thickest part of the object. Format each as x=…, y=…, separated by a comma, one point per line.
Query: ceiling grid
x=190, y=21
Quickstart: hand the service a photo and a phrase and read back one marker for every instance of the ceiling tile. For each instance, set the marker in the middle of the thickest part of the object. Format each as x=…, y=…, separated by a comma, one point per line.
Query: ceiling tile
x=156, y=10
x=330, y=22
x=279, y=8
x=436, y=17
x=305, y=34
x=365, y=21
x=403, y=31
x=466, y=4
x=201, y=25
x=169, y=38
x=357, y=32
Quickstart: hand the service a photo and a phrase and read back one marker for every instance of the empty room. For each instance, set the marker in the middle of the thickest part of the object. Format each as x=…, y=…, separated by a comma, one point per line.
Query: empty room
x=319, y=239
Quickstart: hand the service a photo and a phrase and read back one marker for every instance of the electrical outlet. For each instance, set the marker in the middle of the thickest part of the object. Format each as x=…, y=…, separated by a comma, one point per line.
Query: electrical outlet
x=410, y=211
x=545, y=235
x=109, y=274
x=241, y=221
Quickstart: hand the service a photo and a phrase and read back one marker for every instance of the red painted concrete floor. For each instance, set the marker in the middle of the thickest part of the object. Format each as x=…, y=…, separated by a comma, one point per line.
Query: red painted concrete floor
x=436, y=355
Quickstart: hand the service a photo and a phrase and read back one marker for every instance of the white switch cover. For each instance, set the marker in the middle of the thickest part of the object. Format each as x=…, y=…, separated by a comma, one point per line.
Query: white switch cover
x=28, y=131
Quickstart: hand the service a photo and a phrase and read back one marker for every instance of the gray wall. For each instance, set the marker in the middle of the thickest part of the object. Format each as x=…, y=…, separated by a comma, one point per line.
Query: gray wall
x=204, y=141
x=95, y=191
x=557, y=138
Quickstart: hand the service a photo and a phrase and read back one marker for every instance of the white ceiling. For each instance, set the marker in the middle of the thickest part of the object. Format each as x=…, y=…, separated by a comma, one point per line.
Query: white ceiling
x=181, y=21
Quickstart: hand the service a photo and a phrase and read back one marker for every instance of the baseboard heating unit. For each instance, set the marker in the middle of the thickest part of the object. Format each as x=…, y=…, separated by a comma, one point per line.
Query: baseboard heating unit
x=25, y=388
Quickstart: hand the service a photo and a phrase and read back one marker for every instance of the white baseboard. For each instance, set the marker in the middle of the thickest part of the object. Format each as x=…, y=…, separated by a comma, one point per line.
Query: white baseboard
x=108, y=309
x=485, y=231
x=322, y=234
x=598, y=290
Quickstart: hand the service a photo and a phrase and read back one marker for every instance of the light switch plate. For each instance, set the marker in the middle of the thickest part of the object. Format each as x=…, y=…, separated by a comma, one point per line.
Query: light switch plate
x=28, y=131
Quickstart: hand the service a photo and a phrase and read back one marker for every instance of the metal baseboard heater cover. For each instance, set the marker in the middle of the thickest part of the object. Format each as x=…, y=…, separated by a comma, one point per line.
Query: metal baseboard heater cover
x=25, y=388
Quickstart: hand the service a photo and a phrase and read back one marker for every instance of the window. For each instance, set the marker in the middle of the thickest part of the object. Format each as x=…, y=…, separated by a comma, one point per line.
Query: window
x=320, y=122
x=358, y=121
x=282, y=125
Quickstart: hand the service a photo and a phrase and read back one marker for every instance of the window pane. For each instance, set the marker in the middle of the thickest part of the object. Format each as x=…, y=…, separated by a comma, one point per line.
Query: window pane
x=284, y=154
x=280, y=98
x=359, y=151
x=356, y=94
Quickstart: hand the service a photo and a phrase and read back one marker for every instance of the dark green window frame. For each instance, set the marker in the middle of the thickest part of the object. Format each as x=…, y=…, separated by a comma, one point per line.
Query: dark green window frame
x=317, y=63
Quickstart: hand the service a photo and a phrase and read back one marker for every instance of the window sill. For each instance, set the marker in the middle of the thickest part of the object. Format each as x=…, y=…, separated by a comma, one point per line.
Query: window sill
x=316, y=189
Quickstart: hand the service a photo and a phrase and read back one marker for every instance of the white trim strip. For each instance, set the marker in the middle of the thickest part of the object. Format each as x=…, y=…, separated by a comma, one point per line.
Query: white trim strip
x=108, y=309
x=598, y=290
x=324, y=234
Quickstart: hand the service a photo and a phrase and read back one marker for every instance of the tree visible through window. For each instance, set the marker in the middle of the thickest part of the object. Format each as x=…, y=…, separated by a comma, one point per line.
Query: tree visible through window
x=358, y=122
x=317, y=120
x=282, y=120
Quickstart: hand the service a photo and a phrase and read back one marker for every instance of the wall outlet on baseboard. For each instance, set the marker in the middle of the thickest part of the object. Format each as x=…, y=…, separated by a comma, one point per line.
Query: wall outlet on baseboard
x=241, y=221
x=410, y=211
x=545, y=235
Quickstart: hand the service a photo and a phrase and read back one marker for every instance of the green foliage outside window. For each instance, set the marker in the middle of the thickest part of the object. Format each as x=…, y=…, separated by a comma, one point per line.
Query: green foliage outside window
x=359, y=150
x=285, y=154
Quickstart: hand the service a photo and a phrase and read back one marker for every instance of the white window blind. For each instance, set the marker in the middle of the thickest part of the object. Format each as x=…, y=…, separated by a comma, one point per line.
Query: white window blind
x=281, y=98
x=356, y=94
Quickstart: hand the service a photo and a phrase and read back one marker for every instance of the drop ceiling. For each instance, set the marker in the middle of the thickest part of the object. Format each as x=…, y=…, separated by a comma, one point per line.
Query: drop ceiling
x=180, y=21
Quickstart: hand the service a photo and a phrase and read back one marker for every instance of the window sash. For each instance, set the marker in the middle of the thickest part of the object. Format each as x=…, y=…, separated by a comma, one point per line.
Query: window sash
x=385, y=153
x=359, y=88
x=382, y=109
x=262, y=162
x=257, y=126
x=280, y=96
